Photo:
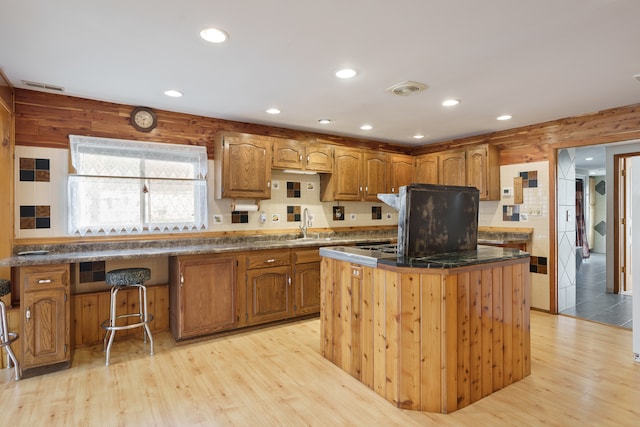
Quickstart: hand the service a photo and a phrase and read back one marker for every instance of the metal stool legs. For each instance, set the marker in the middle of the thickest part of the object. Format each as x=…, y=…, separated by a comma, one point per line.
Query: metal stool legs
x=142, y=315
x=6, y=338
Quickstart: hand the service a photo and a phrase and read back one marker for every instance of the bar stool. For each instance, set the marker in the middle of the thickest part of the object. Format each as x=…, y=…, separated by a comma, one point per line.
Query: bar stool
x=121, y=279
x=6, y=337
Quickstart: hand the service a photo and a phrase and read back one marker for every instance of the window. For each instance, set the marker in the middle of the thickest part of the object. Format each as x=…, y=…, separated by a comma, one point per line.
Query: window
x=125, y=186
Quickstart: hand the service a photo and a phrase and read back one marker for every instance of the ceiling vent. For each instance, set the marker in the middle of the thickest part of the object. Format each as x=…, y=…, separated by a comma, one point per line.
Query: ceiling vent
x=407, y=88
x=637, y=77
x=43, y=86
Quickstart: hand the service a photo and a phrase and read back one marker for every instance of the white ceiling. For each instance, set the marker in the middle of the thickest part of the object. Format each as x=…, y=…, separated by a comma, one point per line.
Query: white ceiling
x=536, y=60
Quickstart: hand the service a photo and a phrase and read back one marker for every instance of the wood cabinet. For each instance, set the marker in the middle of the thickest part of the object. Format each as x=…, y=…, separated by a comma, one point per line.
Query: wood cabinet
x=425, y=339
x=298, y=155
x=203, y=295
x=426, y=169
x=46, y=317
x=452, y=168
x=243, y=165
x=483, y=171
x=400, y=172
x=357, y=175
x=306, y=281
x=268, y=286
x=477, y=166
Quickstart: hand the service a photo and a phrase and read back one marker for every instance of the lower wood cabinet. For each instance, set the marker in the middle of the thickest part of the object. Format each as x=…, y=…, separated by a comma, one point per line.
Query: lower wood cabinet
x=213, y=293
x=203, y=295
x=268, y=286
x=306, y=280
x=45, y=317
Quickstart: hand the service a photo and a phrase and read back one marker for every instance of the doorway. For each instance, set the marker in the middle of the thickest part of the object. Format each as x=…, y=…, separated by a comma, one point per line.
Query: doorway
x=586, y=286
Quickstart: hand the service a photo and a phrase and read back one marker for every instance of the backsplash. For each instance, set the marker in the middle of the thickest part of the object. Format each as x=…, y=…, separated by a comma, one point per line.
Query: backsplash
x=290, y=195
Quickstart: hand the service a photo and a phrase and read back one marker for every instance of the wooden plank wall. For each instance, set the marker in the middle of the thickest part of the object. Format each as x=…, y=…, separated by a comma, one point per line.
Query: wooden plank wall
x=6, y=175
x=533, y=143
x=428, y=342
x=46, y=120
x=88, y=311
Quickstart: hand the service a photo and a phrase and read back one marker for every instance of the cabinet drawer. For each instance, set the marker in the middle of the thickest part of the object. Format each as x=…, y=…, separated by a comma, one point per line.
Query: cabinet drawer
x=268, y=259
x=44, y=277
x=303, y=256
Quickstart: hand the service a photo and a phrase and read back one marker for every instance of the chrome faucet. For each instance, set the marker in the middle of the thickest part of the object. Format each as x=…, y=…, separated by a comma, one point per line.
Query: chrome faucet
x=305, y=222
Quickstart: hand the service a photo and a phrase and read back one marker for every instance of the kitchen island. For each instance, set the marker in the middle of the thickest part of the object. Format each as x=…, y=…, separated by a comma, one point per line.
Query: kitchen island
x=434, y=333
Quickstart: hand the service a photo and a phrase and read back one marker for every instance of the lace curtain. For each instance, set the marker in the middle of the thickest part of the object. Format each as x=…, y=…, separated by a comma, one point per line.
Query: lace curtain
x=123, y=186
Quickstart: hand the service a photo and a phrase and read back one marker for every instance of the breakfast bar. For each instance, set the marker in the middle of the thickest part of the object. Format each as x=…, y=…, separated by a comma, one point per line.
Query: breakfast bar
x=433, y=333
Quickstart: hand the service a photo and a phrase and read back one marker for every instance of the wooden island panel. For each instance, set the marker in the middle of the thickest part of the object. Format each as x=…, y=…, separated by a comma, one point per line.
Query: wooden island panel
x=428, y=339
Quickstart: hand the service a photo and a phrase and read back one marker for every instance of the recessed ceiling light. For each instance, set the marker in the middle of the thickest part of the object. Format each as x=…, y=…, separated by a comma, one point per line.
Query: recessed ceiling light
x=214, y=35
x=450, y=102
x=346, y=73
x=273, y=111
x=366, y=127
x=173, y=93
x=324, y=121
x=588, y=159
x=418, y=136
x=504, y=117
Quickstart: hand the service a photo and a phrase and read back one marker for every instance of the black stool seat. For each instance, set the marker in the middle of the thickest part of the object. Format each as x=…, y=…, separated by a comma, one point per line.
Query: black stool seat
x=127, y=276
x=5, y=287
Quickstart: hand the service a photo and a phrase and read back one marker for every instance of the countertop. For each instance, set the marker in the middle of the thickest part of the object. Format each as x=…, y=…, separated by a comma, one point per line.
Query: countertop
x=375, y=258
x=102, y=251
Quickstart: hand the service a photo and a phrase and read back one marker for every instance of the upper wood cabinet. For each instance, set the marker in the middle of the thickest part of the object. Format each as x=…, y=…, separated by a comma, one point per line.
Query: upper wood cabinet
x=345, y=183
x=357, y=175
x=451, y=168
x=243, y=165
x=292, y=154
x=426, y=170
x=400, y=171
x=483, y=171
x=477, y=166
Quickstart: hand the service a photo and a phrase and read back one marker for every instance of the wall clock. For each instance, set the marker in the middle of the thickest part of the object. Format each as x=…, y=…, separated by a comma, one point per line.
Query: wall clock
x=143, y=119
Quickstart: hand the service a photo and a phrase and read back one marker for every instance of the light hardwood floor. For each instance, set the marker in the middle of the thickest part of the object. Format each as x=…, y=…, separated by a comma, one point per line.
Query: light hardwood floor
x=583, y=374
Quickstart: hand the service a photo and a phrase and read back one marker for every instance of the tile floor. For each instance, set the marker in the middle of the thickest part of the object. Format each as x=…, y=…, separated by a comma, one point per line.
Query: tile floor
x=593, y=302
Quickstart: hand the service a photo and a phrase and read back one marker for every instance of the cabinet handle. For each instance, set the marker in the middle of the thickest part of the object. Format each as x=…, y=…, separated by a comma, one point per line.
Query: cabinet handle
x=41, y=281
x=361, y=188
x=181, y=279
x=289, y=279
x=270, y=261
x=300, y=157
x=366, y=188
x=268, y=184
x=27, y=314
x=393, y=189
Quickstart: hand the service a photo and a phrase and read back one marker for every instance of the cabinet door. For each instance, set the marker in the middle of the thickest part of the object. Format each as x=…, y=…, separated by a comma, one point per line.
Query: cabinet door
x=400, y=172
x=345, y=183
x=375, y=175
x=483, y=171
x=451, y=168
x=269, y=294
x=288, y=154
x=45, y=318
x=426, y=169
x=206, y=296
x=246, y=167
x=307, y=288
x=319, y=158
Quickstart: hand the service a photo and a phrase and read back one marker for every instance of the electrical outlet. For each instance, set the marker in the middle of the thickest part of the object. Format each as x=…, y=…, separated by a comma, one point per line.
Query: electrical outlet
x=535, y=210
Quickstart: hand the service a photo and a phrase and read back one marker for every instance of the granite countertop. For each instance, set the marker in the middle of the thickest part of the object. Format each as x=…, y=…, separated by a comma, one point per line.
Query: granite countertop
x=503, y=235
x=102, y=251
x=375, y=258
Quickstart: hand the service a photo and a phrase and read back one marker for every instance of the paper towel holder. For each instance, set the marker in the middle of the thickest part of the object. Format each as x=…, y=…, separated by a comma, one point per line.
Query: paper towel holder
x=234, y=205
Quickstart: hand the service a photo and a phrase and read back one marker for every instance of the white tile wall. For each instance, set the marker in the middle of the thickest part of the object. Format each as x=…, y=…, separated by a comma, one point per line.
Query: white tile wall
x=490, y=214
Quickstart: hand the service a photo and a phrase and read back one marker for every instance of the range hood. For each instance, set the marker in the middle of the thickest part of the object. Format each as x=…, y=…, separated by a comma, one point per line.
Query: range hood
x=435, y=218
